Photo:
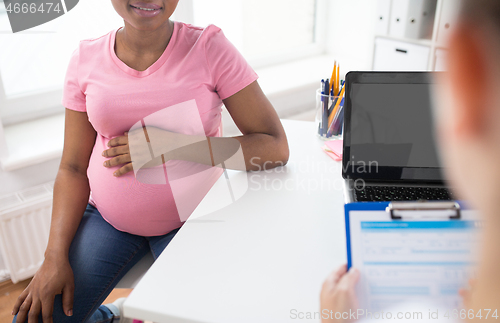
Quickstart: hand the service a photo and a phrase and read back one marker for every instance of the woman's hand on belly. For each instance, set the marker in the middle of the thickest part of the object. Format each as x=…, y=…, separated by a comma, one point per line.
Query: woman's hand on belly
x=133, y=150
x=119, y=154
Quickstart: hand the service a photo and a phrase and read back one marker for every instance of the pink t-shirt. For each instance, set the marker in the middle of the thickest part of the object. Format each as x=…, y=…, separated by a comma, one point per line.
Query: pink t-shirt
x=198, y=66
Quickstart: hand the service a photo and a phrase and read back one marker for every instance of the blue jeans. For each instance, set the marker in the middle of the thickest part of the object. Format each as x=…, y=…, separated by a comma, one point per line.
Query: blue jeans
x=100, y=256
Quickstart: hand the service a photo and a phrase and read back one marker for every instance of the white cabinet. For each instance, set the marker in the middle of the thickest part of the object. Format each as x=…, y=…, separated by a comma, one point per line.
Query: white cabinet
x=440, y=60
x=383, y=16
x=418, y=33
x=391, y=55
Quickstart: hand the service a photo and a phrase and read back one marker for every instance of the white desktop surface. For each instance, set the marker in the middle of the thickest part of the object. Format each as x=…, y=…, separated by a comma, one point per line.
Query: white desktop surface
x=260, y=258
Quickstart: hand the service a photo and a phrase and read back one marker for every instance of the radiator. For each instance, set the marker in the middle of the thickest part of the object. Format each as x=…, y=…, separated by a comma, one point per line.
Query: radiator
x=24, y=229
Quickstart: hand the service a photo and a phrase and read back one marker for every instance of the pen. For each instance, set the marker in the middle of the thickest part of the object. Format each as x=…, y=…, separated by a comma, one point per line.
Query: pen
x=334, y=119
x=334, y=102
x=330, y=109
x=326, y=98
x=337, y=104
x=338, y=119
x=320, y=130
x=337, y=124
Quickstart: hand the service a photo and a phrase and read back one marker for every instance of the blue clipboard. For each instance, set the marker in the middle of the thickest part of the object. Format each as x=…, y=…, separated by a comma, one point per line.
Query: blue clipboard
x=360, y=206
x=402, y=251
x=374, y=206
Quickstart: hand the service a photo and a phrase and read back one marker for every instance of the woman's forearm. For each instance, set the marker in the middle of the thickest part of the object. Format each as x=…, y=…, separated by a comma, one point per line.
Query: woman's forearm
x=260, y=151
x=71, y=194
x=255, y=151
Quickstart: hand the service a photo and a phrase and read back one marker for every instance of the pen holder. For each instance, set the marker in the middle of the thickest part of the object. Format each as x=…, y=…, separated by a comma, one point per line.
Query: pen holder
x=329, y=116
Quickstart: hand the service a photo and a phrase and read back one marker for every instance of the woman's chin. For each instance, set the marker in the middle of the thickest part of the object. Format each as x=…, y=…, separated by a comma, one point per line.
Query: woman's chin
x=146, y=24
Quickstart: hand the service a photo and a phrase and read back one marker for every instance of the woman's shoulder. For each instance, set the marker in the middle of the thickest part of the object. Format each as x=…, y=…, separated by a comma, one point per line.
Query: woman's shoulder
x=195, y=30
x=99, y=38
x=93, y=45
x=195, y=34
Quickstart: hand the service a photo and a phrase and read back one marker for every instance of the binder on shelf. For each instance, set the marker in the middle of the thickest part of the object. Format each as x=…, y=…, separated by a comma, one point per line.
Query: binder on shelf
x=383, y=17
x=399, y=15
x=404, y=249
x=413, y=18
x=449, y=14
x=420, y=21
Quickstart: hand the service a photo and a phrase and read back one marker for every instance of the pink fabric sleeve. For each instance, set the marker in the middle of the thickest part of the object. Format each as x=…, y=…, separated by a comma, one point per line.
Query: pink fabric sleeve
x=230, y=71
x=73, y=97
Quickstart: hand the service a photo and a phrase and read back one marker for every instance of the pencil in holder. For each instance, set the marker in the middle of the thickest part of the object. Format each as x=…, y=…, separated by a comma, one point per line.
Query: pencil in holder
x=329, y=115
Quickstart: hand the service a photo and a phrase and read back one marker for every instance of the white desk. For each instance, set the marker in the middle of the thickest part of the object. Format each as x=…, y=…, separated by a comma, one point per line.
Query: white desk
x=260, y=258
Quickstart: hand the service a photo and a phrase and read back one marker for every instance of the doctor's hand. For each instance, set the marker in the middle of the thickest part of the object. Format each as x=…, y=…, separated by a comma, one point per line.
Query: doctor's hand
x=466, y=293
x=133, y=141
x=338, y=295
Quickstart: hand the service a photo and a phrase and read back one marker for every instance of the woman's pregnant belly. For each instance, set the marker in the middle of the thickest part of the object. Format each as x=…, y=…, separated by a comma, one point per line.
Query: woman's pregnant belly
x=141, y=208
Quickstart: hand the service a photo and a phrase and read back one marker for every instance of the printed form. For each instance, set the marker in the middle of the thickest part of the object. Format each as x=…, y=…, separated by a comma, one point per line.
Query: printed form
x=412, y=260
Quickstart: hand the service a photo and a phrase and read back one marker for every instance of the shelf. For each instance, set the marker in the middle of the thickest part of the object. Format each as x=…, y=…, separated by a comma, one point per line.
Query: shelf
x=446, y=12
x=423, y=42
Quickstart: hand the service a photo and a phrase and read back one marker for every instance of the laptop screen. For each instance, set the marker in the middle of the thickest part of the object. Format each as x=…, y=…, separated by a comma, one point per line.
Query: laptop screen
x=390, y=133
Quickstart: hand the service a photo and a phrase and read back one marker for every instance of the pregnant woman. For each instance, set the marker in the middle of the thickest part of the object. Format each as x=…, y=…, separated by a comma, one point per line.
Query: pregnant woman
x=165, y=81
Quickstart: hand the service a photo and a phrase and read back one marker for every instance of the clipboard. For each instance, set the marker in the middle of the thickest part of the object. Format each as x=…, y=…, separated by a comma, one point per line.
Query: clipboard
x=411, y=252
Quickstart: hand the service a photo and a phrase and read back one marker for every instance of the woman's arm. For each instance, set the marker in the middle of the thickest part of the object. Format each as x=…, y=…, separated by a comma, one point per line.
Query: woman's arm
x=263, y=142
x=71, y=194
x=71, y=188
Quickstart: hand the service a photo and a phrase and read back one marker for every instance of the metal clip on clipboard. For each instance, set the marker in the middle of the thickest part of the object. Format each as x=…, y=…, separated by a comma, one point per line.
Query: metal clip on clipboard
x=424, y=209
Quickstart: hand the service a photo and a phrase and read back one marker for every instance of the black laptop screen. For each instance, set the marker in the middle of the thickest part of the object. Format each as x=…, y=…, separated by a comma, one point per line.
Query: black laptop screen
x=391, y=131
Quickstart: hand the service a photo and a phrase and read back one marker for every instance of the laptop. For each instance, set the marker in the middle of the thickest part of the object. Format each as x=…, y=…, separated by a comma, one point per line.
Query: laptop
x=389, y=151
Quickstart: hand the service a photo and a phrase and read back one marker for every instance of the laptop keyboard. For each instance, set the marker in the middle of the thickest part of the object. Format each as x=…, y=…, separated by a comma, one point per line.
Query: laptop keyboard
x=399, y=193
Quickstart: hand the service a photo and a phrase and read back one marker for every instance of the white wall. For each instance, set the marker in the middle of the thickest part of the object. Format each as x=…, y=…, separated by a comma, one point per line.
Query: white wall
x=27, y=177
x=2, y=269
x=351, y=33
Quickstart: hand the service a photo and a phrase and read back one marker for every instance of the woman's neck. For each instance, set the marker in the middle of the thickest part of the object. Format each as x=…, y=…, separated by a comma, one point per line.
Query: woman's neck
x=140, y=42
